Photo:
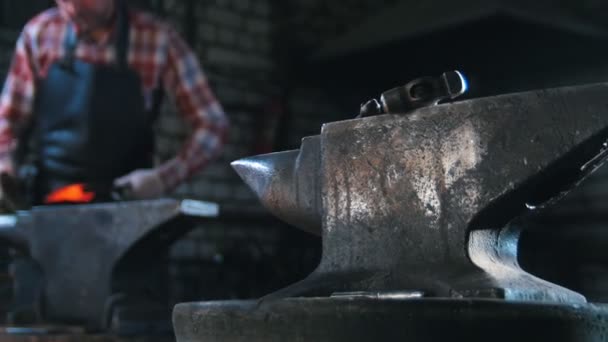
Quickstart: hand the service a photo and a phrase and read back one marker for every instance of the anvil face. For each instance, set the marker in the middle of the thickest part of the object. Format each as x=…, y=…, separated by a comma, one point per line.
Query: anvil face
x=422, y=202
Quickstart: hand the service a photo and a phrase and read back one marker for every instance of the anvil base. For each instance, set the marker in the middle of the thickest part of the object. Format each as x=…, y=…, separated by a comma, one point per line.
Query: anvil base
x=348, y=319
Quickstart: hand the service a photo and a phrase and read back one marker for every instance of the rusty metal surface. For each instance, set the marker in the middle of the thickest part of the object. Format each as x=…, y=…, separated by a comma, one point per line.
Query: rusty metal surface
x=88, y=253
x=420, y=320
x=422, y=202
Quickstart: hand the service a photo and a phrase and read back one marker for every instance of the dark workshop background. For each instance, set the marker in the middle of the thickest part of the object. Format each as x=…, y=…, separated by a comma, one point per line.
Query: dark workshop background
x=281, y=68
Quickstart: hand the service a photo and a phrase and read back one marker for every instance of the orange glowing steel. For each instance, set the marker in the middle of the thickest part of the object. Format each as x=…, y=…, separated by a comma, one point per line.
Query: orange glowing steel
x=74, y=193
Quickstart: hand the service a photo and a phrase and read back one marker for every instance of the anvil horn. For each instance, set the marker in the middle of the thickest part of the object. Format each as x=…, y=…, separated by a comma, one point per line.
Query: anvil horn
x=287, y=184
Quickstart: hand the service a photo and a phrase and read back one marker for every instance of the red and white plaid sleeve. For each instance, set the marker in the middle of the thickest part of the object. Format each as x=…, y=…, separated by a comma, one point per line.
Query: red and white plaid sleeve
x=17, y=99
x=185, y=82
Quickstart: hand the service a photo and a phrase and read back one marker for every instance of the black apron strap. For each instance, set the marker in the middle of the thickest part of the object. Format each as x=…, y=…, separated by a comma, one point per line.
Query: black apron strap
x=122, y=55
x=69, y=44
x=122, y=37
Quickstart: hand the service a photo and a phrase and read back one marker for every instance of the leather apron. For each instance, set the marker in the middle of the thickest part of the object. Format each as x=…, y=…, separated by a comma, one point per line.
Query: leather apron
x=91, y=123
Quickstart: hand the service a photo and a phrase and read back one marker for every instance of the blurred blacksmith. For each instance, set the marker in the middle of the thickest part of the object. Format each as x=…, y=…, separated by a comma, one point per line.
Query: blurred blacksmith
x=86, y=81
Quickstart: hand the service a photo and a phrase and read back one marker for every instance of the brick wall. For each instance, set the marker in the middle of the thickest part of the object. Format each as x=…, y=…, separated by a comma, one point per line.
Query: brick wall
x=233, y=40
x=251, y=254
x=312, y=97
x=313, y=22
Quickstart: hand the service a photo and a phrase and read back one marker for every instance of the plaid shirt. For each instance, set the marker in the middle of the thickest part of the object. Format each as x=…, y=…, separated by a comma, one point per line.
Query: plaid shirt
x=156, y=52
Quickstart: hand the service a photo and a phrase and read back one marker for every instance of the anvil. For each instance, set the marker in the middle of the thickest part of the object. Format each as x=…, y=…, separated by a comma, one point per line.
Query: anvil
x=416, y=208
x=93, y=255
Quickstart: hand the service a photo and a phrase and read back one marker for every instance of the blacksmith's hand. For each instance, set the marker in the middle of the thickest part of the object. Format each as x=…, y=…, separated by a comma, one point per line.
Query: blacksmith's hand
x=142, y=184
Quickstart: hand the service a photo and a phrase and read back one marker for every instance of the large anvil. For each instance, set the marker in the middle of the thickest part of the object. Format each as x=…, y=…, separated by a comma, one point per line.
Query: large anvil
x=414, y=211
x=91, y=255
x=422, y=202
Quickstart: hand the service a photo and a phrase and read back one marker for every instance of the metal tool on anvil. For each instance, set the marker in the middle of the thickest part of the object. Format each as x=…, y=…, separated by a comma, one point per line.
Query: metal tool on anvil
x=100, y=261
x=421, y=92
x=414, y=212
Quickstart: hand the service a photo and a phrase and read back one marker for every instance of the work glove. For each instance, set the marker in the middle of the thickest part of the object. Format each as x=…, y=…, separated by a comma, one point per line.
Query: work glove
x=141, y=184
